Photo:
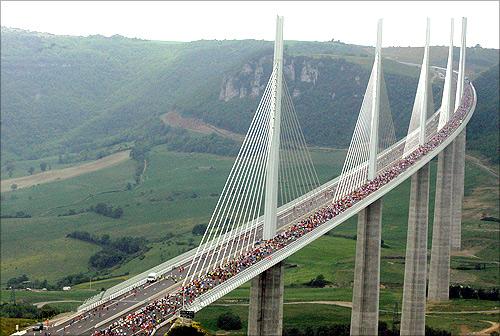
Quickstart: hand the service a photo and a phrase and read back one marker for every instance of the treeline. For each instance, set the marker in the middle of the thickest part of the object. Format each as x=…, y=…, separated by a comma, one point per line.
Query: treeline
x=107, y=210
x=114, y=252
x=344, y=330
x=23, y=281
x=18, y=214
x=468, y=292
x=482, y=130
x=27, y=311
x=102, y=209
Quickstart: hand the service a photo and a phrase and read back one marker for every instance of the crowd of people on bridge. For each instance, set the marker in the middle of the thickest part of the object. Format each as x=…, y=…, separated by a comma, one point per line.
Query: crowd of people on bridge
x=143, y=321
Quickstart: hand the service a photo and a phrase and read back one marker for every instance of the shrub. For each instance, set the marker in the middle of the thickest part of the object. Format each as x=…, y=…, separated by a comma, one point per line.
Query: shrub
x=229, y=321
x=187, y=330
x=199, y=229
x=319, y=281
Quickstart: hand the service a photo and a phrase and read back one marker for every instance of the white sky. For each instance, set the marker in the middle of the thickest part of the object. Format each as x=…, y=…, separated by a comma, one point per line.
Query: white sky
x=351, y=22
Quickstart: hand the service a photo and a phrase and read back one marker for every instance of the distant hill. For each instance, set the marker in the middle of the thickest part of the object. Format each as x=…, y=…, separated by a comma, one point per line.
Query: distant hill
x=65, y=94
x=482, y=131
x=477, y=59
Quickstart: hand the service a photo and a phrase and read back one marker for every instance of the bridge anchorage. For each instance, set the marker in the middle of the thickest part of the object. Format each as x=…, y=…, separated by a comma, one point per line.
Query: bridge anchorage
x=272, y=205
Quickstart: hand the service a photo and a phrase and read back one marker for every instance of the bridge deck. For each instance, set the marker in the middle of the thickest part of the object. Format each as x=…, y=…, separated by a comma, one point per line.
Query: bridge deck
x=103, y=314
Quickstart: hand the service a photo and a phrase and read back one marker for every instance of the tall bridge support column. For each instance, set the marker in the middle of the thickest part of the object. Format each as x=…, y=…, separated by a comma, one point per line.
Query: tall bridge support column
x=458, y=191
x=365, y=297
x=439, y=270
x=459, y=159
x=265, y=316
x=413, y=309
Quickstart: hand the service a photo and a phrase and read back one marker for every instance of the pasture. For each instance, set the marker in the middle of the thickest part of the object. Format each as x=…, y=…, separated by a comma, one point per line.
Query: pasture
x=179, y=190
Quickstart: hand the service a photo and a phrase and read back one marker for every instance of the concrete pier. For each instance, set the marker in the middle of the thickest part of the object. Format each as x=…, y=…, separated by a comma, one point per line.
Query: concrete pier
x=439, y=270
x=458, y=191
x=413, y=309
x=364, y=317
x=265, y=315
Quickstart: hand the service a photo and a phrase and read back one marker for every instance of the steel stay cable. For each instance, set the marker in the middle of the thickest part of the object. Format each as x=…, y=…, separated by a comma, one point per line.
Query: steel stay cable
x=245, y=200
x=351, y=158
x=257, y=137
x=234, y=170
x=256, y=147
x=290, y=159
x=293, y=146
x=218, y=202
x=252, y=144
x=301, y=145
x=247, y=217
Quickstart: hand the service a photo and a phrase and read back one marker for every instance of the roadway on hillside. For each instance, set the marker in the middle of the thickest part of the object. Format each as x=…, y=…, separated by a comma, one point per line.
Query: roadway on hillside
x=65, y=173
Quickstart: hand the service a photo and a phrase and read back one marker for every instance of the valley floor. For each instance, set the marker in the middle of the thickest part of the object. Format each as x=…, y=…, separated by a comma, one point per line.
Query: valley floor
x=179, y=190
x=65, y=173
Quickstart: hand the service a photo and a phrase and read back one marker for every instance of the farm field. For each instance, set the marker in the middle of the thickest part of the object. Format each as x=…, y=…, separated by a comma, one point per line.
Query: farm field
x=179, y=190
x=64, y=173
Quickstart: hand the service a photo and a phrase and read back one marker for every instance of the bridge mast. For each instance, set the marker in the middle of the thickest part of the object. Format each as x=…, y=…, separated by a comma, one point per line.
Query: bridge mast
x=271, y=197
x=459, y=159
x=413, y=308
x=366, y=287
x=373, y=146
x=461, y=65
x=425, y=75
x=265, y=311
x=439, y=267
x=446, y=102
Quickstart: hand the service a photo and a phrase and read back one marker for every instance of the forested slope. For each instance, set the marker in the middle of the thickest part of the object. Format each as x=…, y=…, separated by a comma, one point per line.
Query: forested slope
x=66, y=95
x=482, y=132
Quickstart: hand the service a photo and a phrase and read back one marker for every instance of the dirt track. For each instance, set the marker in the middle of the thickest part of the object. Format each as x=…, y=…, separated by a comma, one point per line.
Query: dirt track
x=173, y=118
x=66, y=173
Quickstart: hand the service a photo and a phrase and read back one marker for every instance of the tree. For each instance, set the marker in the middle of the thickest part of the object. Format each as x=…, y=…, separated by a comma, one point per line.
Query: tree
x=105, y=239
x=186, y=330
x=117, y=213
x=31, y=170
x=13, y=186
x=9, y=167
x=199, y=229
x=319, y=281
x=43, y=166
x=229, y=321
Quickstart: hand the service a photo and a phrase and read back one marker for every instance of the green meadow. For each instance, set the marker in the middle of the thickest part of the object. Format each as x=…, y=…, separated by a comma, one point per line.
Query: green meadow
x=179, y=190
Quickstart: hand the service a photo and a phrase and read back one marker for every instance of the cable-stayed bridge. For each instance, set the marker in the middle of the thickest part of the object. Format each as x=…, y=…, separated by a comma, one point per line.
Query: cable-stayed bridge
x=272, y=206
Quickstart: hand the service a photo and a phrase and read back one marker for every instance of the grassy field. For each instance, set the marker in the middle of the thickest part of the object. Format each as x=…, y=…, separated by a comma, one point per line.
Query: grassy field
x=8, y=325
x=180, y=191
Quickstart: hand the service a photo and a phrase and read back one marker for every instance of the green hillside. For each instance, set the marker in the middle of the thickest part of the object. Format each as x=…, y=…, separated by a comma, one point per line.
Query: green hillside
x=180, y=191
x=84, y=96
x=67, y=100
x=482, y=133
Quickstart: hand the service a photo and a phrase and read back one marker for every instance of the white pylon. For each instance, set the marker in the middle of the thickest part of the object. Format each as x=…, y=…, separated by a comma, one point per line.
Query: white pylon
x=271, y=197
x=446, y=103
x=461, y=65
x=373, y=146
x=416, y=130
x=425, y=74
